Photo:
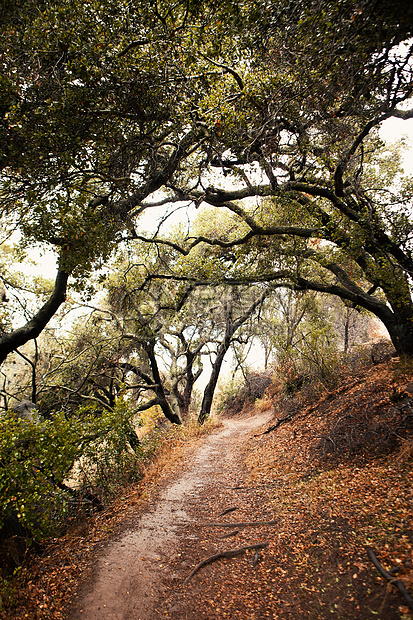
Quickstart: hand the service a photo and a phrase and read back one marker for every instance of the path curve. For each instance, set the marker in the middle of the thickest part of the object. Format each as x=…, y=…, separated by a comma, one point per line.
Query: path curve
x=129, y=575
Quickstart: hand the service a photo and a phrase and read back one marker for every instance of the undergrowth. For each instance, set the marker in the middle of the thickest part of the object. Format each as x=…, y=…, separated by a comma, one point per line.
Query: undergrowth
x=28, y=578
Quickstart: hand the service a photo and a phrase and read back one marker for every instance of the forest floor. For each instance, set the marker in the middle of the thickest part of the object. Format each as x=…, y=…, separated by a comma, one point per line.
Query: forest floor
x=312, y=497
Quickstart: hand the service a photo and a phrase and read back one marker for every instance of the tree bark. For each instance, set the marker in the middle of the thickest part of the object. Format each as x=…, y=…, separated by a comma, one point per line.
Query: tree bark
x=17, y=338
x=212, y=383
x=401, y=334
x=231, y=328
x=173, y=417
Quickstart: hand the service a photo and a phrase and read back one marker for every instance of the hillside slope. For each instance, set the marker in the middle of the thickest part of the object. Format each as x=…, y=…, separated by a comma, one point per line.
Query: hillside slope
x=338, y=475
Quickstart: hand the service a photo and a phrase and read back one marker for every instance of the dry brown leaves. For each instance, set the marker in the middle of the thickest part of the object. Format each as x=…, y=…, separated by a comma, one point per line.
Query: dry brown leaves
x=337, y=479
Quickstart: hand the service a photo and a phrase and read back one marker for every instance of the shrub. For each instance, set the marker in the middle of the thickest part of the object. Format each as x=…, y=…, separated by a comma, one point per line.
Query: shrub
x=36, y=458
x=236, y=395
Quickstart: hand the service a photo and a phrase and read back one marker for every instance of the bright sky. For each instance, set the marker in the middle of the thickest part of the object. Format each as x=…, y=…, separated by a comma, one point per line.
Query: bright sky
x=395, y=128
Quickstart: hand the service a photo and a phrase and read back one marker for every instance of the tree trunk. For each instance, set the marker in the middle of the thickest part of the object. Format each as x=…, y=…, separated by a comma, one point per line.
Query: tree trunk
x=231, y=328
x=167, y=410
x=401, y=335
x=17, y=338
x=212, y=383
x=346, y=331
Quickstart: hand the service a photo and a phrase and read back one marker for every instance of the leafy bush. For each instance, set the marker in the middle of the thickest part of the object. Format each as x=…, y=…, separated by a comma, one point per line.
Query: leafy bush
x=107, y=460
x=227, y=393
x=36, y=458
x=236, y=395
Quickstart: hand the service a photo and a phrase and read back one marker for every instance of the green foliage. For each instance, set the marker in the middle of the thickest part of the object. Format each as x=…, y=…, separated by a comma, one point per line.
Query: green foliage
x=228, y=391
x=107, y=462
x=105, y=106
x=36, y=459
x=305, y=339
x=8, y=594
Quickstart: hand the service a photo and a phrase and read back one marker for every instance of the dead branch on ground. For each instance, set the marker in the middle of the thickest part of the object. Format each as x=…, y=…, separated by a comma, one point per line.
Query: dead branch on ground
x=242, y=524
x=232, y=553
x=227, y=511
x=275, y=426
x=233, y=533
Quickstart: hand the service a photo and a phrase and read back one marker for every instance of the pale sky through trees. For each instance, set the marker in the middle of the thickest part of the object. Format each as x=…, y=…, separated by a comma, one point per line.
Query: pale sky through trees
x=395, y=128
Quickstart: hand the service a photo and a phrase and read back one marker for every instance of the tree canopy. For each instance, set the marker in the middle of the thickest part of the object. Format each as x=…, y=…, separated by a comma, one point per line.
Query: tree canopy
x=268, y=109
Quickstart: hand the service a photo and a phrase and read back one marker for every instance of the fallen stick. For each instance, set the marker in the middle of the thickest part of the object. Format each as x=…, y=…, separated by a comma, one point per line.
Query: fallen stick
x=232, y=553
x=396, y=582
x=243, y=524
x=275, y=426
x=227, y=511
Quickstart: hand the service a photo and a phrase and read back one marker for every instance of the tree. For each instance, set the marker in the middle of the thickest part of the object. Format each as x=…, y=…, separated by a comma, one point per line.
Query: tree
x=234, y=317
x=96, y=114
x=334, y=216
x=174, y=322
x=101, y=107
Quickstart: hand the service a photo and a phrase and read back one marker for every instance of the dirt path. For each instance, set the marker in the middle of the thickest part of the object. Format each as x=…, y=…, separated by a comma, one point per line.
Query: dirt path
x=140, y=574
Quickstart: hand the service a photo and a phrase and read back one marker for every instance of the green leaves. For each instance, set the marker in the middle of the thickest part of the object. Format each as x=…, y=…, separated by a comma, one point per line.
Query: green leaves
x=34, y=459
x=37, y=458
x=102, y=107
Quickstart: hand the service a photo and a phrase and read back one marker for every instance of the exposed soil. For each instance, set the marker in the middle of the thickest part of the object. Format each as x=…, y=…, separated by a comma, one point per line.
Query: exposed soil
x=133, y=577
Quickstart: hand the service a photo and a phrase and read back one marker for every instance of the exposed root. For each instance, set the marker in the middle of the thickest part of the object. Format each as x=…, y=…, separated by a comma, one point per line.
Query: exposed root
x=242, y=524
x=232, y=553
x=396, y=582
x=227, y=511
x=287, y=418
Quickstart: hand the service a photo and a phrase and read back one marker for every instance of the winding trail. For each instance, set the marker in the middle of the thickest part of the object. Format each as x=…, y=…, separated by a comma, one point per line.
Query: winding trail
x=130, y=576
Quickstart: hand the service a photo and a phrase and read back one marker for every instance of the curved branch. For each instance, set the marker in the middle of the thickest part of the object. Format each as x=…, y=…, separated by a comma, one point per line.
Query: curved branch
x=232, y=553
x=17, y=338
x=86, y=397
x=272, y=231
x=159, y=176
x=341, y=168
x=228, y=69
x=148, y=405
x=403, y=114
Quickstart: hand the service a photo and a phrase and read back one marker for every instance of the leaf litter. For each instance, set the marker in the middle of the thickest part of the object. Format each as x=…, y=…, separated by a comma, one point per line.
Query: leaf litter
x=336, y=478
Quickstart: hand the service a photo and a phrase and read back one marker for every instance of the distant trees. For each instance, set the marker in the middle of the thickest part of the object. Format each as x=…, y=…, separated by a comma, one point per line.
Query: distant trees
x=178, y=324
x=144, y=345
x=234, y=315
